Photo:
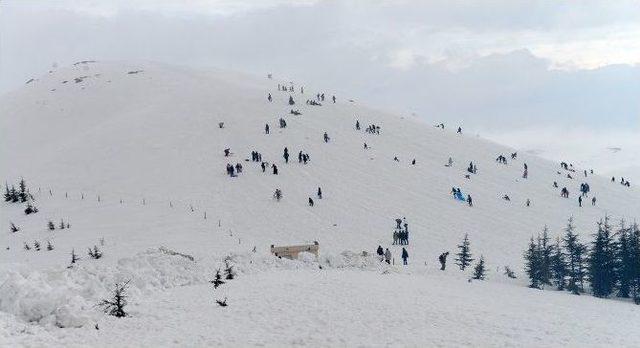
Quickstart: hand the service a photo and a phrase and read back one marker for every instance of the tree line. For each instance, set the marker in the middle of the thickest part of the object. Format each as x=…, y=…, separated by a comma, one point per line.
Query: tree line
x=609, y=265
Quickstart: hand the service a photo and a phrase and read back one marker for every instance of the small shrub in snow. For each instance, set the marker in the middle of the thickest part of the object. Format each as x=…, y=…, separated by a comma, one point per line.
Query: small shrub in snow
x=36, y=245
x=115, y=305
x=62, y=225
x=26, y=246
x=95, y=253
x=509, y=272
x=222, y=303
x=30, y=209
x=74, y=258
x=228, y=271
x=49, y=246
x=51, y=226
x=217, y=280
x=13, y=227
x=479, y=271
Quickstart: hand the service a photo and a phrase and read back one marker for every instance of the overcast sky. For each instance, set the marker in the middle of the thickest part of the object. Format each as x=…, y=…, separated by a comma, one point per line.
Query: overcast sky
x=543, y=75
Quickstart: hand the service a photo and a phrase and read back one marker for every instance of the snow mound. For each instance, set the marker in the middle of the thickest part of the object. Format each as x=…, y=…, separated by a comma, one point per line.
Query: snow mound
x=67, y=297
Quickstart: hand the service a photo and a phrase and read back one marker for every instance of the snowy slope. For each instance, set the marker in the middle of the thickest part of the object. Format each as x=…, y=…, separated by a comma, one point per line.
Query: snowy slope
x=152, y=136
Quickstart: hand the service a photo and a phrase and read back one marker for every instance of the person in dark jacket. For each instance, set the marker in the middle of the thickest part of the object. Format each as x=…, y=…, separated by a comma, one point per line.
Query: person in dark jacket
x=405, y=256
x=310, y=202
x=275, y=169
x=266, y=128
x=380, y=253
x=319, y=193
x=443, y=260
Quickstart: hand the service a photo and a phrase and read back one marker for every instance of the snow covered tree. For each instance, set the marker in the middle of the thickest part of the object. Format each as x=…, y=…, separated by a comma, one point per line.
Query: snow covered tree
x=30, y=209
x=479, y=271
x=624, y=261
x=115, y=305
x=545, y=249
x=222, y=303
x=95, y=253
x=62, y=226
x=36, y=245
x=463, y=257
x=509, y=272
x=217, y=280
x=558, y=266
x=574, y=254
x=7, y=193
x=602, y=273
x=532, y=264
x=26, y=246
x=22, y=195
x=15, y=198
x=291, y=102
x=228, y=271
x=51, y=226
x=13, y=227
x=49, y=246
x=634, y=246
x=74, y=258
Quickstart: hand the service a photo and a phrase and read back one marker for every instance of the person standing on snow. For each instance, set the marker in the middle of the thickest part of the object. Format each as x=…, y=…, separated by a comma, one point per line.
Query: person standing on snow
x=387, y=256
x=319, y=193
x=443, y=260
x=380, y=253
x=405, y=256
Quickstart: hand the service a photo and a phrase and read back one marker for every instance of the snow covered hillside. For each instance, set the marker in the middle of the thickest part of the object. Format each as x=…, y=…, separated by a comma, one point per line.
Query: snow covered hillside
x=131, y=155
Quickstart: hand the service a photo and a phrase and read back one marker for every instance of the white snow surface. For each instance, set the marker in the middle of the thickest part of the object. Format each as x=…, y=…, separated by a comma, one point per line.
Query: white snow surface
x=151, y=141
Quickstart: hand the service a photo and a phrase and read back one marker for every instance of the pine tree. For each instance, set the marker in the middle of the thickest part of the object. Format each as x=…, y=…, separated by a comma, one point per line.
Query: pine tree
x=62, y=226
x=558, y=266
x=574, y=254
x=26, y=246
x=624, y=262
x=463, y=257
x=545, y=249
x=74, y=258
x=7, y=193
x=115, y=305
x=23, y=191
x=95, y=253
x=13, y=227
x=217, y=280
x=634, y=246
x=49, y=246
x=532, y=264
x=36, y=245
x=228, y=271
x=479, y=271
x=602, y=261
x=14, y=195
x=51, y=226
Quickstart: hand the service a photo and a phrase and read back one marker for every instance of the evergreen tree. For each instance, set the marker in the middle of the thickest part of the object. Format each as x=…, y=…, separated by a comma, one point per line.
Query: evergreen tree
x=49, y=246
x=7, y=193
x=115, y=305
x=634, y=246
x=217, y=280
x=26, y=246
x=574, y=255
x=36, y=245
x=228, y=271
x=545, y=249
x=558, y=266
x=602, y=261
x=51, y=226
x=74, y=258
x=479, y=271
x=532, y=264
x=14, y=195
x=463, y=257
x=62, y=226
x=23, y=191
x=624, y=262
x=95, y=253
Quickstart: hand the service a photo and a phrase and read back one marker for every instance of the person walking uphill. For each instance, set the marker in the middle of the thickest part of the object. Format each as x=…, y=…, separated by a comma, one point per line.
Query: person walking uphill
x=286, y=155
x=405, y=256
x=380, y=253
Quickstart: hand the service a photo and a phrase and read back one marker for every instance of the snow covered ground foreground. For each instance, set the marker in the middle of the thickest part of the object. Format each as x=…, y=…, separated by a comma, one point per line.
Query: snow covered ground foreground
x=131, y=156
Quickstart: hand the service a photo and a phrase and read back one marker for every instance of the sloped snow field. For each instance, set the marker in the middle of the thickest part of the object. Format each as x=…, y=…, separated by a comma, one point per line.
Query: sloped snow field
x=131, y=155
